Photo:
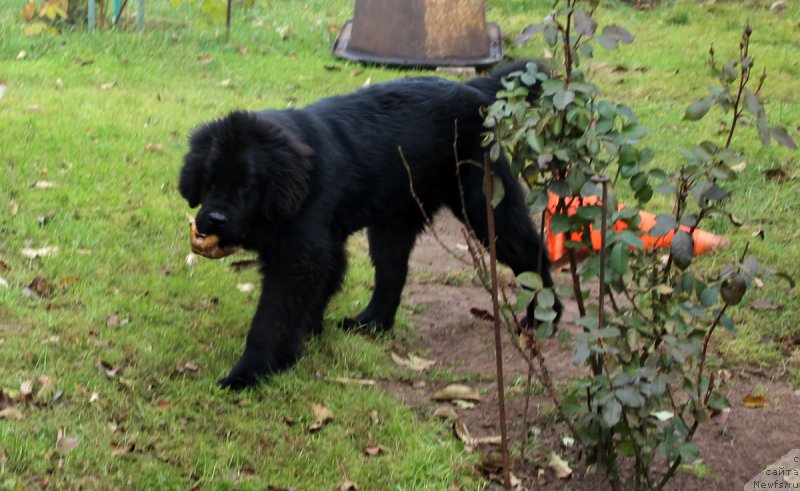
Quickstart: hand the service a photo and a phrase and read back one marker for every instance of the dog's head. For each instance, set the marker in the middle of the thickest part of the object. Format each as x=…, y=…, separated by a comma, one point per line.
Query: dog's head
x=244, y=169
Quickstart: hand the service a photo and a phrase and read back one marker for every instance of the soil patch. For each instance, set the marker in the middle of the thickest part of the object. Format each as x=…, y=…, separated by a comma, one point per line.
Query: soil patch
x=441, y=294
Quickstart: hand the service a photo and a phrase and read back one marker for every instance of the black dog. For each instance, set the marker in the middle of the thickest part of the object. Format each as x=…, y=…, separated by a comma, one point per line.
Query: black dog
x=293, y=185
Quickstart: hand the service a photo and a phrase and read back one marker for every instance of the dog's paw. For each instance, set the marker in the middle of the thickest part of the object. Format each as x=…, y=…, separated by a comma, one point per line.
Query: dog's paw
x=247, y=372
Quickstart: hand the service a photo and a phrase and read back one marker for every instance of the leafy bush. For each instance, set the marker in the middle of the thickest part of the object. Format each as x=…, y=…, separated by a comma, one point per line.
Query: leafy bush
x=649, y=387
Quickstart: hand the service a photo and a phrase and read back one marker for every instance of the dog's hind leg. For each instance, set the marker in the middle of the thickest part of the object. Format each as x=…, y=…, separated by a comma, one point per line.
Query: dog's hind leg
x=389, y=248
x=518, y=244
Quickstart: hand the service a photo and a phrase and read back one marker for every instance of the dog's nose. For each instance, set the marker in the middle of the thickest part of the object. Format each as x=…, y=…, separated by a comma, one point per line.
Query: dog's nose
x=217, y=220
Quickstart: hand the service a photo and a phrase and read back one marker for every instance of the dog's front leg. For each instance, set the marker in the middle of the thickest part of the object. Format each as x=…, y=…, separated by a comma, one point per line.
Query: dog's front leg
x=283, y=319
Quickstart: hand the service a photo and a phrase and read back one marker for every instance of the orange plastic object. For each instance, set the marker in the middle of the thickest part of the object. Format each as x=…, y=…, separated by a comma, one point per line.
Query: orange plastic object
x=556, y=243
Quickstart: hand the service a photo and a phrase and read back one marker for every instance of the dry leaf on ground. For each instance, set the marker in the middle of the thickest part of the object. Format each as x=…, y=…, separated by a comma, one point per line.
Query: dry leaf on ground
x=322, y=416
x=559, y=466
x=457, y=391
x=755, y=402
x=413, y=362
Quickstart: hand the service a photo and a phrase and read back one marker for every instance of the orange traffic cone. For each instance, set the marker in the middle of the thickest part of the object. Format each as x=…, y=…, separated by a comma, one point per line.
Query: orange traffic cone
x=556, y=243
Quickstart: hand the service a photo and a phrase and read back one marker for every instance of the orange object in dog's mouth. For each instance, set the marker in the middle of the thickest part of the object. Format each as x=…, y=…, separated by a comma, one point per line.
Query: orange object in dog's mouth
x=207, y=245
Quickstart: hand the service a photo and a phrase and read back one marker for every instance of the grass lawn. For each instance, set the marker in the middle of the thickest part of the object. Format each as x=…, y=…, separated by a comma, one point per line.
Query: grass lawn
x=132, y=338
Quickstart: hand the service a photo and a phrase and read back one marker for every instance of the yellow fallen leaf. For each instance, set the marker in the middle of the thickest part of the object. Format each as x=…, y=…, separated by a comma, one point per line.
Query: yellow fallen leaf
x=755, y=402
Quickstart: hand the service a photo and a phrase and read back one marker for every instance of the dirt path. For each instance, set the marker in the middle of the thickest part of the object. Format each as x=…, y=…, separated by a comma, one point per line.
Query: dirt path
x=734, y=447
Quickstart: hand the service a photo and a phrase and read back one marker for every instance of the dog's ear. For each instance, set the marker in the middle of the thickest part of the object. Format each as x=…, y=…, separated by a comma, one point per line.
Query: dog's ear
x=284, y=164
x=194, y=165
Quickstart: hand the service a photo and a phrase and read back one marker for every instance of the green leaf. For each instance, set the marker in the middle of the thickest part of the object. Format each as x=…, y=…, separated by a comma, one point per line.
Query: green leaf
x=631, y=239
x=618, y=33
x=559, y=223
x=664, y=225
x=581, y=353
x=698, y=109
x=562, y=99
x=528, y=32
x=545, y=298
x=584, y=23
x=530, y=280
x=551, y=35
x=629, y=396
x=729, y=72
x=753, y=104
x=709, y=296
x=619, y=258
x=498, y=191
x=718, y=401
x=688, y=452
x=612, y=412
x=763, y=130
x=608, y=332
x=682, y=249
x=781, y=136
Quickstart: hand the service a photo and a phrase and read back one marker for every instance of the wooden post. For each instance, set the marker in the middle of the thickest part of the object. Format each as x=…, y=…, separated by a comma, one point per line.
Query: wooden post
x=228, y=17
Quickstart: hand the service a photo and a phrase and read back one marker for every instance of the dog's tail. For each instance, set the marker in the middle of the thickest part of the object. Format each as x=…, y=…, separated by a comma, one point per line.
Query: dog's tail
x=490, y=85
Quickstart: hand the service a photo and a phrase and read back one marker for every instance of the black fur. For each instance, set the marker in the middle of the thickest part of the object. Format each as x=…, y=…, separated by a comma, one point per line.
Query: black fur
x=293, y=185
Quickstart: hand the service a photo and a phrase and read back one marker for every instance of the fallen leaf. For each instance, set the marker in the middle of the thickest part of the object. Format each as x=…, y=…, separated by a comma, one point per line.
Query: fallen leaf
x=283, y=32
x=3, y=457
x=374, y=451
x=187, y=367
x=112, y=320
x=347, y=484
x=242, y=49
x=778, y=6
x=492, y=462
x=26, y=389
x=154, y=147
x=38, y=253
x=775, y=174
x=464, y=404
x=332, y=68
x=367, y=82
x=120, y=451
x=94, y=397
x=191, y=259
x=107, y=368
x=44, y=185
x=246, y=287
x=3, y=282
x=457, y=391
x=350, y=381
x=204, y=59
x=481, y=314
x=225, y=82
x=765, y=304
x=488, y=440
x=559, y=466
x=462, y=433
x=2, y=90
x=65, y=444
x=108, y=85
x=445, y=412
x=322, y=416
x=413, y=362
x=755, y=402
x=41, y=287
x=11, y=413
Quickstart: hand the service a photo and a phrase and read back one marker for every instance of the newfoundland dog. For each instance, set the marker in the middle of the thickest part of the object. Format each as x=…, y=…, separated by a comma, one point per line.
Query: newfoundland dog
x=292, y=185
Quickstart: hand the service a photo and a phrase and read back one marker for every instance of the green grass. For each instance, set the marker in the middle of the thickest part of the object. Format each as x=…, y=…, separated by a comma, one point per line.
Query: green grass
x=119, y=224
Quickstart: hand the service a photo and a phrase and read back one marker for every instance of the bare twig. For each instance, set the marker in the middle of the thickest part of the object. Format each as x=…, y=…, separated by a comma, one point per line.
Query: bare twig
x=488, y=191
